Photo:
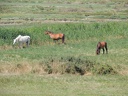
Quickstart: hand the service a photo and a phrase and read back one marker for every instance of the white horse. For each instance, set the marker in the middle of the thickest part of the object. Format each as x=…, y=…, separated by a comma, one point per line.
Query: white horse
x=22, y=39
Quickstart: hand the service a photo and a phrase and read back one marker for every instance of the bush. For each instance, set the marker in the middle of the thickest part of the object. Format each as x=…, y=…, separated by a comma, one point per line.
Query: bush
x=104, y=69
x=72, y=65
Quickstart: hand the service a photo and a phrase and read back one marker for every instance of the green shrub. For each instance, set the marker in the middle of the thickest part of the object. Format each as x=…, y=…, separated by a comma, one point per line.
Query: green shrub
x=72, y=65
x=104, y=69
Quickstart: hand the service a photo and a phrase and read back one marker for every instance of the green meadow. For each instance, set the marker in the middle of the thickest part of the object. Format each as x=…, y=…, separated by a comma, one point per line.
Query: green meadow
x=49, y=68
x=46, y=68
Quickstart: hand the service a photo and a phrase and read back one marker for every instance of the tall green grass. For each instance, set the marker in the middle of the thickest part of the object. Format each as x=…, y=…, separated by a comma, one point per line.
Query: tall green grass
x=73, y=31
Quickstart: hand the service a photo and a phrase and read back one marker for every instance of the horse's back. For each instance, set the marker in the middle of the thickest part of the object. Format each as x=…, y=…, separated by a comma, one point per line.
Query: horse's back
x=103, y=44
x=57, y=36
x=61, y=35
x=28, y=37
x=24, y=38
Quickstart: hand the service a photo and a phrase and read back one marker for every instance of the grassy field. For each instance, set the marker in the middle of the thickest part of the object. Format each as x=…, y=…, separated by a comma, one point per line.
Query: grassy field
x=50, y=68
x=43, y=11
x=53, y=69
x=71, y=85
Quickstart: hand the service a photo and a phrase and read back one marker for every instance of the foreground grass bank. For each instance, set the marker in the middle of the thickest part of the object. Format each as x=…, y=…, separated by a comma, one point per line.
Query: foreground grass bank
x=56, y=85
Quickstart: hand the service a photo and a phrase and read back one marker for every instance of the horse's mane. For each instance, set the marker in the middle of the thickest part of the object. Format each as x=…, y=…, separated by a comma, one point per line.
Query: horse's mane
x=98, y=45
x=18, y=37
x=49, y=31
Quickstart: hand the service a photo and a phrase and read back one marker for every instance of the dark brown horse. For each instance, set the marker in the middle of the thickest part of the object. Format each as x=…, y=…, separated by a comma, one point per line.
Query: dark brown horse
x=101, y=45
x=56, y=36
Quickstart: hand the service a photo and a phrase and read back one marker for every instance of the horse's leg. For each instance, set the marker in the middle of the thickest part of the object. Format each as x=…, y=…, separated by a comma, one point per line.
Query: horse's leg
x=27, y=43
x=106, y=48
x=20, y=44
x=57, y=40
x=54, y=40
x=103, y=50
x=99, y=51
x=63, y=38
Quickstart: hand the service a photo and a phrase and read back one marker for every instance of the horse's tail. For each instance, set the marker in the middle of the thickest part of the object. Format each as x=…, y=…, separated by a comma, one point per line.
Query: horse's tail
x=28, y=41
x=63, y=38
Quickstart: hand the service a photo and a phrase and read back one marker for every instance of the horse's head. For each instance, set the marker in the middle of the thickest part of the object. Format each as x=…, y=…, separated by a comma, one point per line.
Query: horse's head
x=98, y=48
x=18, y=36
x=97, y=51
x=48, y=32
x=14, y=41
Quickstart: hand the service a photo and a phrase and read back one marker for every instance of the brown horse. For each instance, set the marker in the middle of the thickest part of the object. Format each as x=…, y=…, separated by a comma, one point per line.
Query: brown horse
x=101, y=45
x=56, y=36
